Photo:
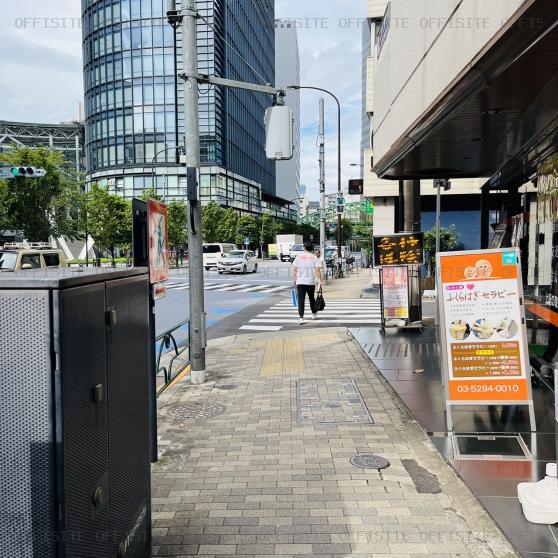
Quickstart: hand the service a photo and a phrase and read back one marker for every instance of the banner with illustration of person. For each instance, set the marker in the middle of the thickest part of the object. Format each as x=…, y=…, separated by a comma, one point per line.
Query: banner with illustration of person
x=482, y=326
x=158, y=242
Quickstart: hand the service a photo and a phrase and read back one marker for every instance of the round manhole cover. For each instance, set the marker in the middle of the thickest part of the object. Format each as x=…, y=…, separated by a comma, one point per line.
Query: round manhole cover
x=369, y=461
x=193, y=410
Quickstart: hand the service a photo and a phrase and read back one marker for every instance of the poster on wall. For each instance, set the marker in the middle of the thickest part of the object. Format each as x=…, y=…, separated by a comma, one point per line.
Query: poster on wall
x=158, y=242
x=483, y=331
x=395, y=292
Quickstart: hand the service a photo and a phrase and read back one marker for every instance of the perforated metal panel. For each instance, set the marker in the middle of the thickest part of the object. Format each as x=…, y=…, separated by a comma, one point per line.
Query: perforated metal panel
x=26, y=481
x=128, y=404
x=85, y=428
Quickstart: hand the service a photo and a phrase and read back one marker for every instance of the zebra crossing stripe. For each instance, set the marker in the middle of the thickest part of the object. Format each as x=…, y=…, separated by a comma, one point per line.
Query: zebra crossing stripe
x=256, y=288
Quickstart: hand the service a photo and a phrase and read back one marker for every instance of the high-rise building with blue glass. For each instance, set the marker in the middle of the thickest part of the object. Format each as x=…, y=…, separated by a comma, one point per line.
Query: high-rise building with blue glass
x=129, y=78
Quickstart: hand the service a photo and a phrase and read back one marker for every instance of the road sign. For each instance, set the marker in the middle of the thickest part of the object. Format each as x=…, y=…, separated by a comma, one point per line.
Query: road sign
x=484, y=338
x=246, y=241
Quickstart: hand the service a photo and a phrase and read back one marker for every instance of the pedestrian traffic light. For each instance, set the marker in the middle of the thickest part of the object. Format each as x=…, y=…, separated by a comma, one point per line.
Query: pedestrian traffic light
x=356, y=187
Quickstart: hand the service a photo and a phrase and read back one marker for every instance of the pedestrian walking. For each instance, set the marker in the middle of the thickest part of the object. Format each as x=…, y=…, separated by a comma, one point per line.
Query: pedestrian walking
x=306, y=270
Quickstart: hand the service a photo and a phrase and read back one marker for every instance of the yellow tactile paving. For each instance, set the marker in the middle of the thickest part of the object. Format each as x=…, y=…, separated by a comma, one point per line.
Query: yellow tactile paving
x=272, y=364
x=283, y=356
x=293, y=359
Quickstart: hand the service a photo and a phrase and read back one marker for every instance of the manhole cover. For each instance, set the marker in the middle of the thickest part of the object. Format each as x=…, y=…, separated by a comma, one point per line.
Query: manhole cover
x=369, y=461
x=192, y=410
x=226, y=387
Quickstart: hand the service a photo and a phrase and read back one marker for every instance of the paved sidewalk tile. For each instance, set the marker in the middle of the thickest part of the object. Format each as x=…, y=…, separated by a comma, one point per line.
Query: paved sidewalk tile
x=264, y=467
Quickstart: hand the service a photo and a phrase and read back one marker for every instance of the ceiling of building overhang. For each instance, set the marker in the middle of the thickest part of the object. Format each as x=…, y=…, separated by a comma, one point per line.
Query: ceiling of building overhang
x=494, y=120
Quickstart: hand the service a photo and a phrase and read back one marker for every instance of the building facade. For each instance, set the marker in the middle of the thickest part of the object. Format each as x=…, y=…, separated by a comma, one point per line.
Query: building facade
x=392, y=48
x=134, y=119
x=287, y=70
x=67, y=137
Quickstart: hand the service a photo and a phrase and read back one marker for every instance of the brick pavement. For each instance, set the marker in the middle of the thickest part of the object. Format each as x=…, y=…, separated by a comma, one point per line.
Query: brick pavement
x=251, y=481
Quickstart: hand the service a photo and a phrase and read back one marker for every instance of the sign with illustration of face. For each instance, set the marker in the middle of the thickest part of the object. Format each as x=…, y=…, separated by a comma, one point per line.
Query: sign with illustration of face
x=158, y=242
x=483, y=327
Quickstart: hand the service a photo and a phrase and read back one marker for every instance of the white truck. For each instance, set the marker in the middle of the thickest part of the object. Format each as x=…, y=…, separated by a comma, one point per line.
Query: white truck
x=284, y=243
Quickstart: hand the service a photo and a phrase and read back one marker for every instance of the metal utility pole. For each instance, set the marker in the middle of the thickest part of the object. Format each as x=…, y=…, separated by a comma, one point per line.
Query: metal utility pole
x=195, y=238
x=321, y=143
x=437, y=185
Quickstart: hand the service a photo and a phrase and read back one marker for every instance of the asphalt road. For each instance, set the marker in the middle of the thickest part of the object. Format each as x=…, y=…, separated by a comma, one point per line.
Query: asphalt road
x=226, y=309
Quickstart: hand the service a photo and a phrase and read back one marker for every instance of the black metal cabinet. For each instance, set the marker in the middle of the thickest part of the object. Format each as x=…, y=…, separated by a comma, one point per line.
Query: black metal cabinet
x=75, y=414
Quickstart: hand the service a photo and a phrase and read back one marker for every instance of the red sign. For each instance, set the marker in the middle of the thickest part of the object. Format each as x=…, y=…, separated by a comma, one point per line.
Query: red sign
x=158, y=242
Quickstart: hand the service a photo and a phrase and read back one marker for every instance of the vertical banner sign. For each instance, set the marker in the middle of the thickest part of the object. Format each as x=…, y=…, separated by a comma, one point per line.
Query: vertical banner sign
x=395, y=285
x=483, y=332
x=158, y=242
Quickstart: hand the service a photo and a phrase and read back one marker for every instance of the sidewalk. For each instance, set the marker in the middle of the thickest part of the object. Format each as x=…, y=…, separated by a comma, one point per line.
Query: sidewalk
x=348, y=287
x=256, y=461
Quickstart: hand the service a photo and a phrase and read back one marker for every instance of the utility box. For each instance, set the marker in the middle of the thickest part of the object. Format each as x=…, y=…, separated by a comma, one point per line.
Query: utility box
x=74, y=417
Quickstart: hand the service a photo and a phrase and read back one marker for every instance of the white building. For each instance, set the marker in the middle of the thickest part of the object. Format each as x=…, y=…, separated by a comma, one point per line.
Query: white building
x=287, y=72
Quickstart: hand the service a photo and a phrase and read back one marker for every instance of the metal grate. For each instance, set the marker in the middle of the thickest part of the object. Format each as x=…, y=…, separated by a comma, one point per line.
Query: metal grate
x=490, y=446
x=402, y=350
x=26, y=430
x=192, y=410
x=331, y=401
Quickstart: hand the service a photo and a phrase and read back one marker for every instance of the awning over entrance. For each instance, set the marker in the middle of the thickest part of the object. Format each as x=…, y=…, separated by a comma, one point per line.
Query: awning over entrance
x=499, y=118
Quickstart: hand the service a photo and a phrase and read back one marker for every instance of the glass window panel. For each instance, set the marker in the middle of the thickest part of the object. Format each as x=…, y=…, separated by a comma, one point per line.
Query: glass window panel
x=129, y=154
x=119, y=125
x=159, y=98
x=158, y=36
x=158, y=8
x=149, y=151
x=160, y=122
x=138, y=123
x=158, y=66
x=119, y=154
x=118, y=69
x=112, y=155
x=168, y=36
x=146, y=38
x=135, y=8
x=116, y=16
x=136, y=37
x=147, y=65
x=140, y=155
x=126, y=39
x=128, y=124
x=169, y=120
x=136, y=65
x=148, y=94
x=116, y=41
x=148, y=123
x=126, y=67
x=127, y=95
x=138, y=95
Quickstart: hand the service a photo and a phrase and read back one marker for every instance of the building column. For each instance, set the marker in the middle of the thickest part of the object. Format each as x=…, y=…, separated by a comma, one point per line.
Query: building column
x=485, y=218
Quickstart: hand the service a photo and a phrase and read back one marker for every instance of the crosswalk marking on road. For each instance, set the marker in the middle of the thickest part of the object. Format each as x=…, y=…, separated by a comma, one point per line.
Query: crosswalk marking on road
x=337, y=312
x=228, y=287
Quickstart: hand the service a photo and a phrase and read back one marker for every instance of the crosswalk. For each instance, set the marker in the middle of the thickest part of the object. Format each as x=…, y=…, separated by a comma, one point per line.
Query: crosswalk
x=337, y=313
x=228, y=287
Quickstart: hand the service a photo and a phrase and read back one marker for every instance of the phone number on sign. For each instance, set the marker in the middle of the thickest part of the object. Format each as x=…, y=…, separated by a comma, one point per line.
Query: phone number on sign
x=479, y=388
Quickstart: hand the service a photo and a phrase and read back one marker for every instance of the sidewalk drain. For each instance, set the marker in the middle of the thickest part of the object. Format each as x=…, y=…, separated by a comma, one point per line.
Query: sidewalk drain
x=192, y=410
x=369, y=461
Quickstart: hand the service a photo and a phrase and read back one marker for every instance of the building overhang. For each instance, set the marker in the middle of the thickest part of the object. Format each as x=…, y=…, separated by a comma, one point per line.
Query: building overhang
x=498, y=118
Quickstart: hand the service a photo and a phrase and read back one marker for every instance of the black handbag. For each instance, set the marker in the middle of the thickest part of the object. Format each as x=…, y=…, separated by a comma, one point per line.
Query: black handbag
x=320, y=302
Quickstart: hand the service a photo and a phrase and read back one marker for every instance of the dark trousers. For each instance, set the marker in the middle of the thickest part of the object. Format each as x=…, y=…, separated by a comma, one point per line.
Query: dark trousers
x=301, y=291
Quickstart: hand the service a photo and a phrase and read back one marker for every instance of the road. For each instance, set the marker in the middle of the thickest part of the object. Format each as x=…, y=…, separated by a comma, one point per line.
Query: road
x=255, y=302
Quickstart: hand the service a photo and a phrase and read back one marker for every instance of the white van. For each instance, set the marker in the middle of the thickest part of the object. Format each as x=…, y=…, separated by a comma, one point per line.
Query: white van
x=212, y=253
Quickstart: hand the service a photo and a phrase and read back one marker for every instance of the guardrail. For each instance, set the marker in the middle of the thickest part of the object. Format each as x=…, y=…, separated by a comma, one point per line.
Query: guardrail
x=173, y=356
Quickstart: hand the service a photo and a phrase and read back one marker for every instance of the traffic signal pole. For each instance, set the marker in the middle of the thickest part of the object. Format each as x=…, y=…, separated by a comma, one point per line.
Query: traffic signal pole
x=195, y=238
x=321, y=142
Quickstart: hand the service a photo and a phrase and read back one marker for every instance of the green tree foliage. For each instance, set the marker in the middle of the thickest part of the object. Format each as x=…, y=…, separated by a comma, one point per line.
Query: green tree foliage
x=268, y=230
x=211, y=216
x=346, y=230
x=227, y=225
x=42, y=207
x=308, y=232
x=177, y=225
x=109, y=219
x=449, y=241
x=247, y=227
x=151, y=194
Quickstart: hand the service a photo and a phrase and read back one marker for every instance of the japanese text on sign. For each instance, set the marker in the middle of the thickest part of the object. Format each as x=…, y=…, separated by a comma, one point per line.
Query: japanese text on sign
x=401, y=249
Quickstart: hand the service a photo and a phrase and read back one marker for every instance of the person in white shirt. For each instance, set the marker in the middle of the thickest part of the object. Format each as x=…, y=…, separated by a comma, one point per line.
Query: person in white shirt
x=306, y=269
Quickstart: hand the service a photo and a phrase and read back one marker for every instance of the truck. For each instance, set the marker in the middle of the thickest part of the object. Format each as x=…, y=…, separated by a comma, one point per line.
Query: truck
x=284, y=244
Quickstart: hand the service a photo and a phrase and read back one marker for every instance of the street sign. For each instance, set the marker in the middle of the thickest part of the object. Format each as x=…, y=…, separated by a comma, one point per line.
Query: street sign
x=246, y=241
x=484, y=337
x=399, y=249
x=158, y=242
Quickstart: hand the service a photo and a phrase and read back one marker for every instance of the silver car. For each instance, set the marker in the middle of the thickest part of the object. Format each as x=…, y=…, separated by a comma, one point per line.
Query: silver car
x=238, y=261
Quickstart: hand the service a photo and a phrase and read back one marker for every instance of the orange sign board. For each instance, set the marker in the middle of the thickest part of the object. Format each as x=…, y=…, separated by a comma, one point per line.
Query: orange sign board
x=483, y=327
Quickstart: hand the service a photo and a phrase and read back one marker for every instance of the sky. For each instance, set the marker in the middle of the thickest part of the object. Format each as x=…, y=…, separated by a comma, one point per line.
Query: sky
x=41, y=71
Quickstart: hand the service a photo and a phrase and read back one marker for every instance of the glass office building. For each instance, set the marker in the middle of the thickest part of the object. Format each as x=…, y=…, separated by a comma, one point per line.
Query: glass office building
x=129, y=78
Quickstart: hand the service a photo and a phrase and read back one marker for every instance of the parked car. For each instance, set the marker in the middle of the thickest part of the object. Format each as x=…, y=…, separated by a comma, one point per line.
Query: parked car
x=213, y=252
x=240, y=261
x=296, y=250
x=13, y=259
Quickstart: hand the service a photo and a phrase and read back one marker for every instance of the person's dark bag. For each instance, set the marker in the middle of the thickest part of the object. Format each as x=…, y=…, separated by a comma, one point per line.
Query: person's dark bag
x=320, y=302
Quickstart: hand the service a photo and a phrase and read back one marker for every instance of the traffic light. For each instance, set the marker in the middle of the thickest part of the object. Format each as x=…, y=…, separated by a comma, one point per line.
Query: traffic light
x=21, y=172
x=443, y=183
x=356, y=187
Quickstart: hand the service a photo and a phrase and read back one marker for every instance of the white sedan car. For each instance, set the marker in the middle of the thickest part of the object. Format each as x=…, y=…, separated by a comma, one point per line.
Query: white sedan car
x=240, y=261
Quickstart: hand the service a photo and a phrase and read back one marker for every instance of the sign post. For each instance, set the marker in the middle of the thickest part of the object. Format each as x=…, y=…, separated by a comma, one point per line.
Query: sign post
x=483, y=332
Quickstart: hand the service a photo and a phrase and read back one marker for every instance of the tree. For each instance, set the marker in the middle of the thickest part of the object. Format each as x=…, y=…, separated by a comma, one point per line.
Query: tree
x=308, y=232
x=449, y=242
x=211, y=216
x=346, y=231
x=151, y=194
x=110, y=219
x=227, y=225
x=267, y=229
x=42, y=207
x=247, y=228
x=177, y=225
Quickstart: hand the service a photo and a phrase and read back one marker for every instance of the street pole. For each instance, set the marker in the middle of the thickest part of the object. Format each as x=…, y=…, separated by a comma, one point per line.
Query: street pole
x=195, y=239
x=438, y=211
x=321, y=142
